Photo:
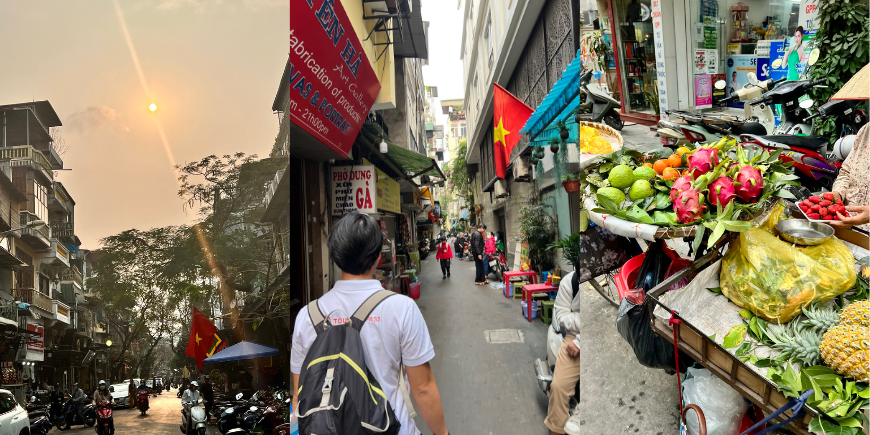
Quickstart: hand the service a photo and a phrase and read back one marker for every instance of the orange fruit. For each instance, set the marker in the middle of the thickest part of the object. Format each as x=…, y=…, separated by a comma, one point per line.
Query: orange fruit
x=682, y=150
x=648, y=165
x=670, y=173
x=685, y=172
x=660, y=165
x=675, y=160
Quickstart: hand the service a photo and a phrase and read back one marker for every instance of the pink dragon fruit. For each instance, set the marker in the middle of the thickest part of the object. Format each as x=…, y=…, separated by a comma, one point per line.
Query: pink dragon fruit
x=703, y=160
x=722, y=191
x=689, y=205
x=680, y=184
x=749, y=181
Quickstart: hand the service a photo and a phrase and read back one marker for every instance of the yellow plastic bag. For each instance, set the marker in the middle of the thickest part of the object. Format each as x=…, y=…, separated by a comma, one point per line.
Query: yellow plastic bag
x=775, y=279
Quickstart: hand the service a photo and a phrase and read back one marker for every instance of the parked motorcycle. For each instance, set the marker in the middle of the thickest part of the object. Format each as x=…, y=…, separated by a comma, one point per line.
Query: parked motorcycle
x=40, y=417
x=423, y=248
x=142, y=396
x=544, y=369
x=230, y=413
x=197, y=420
x=498, y=264
x=599, y=106
x=105, y=422
x=69, y=417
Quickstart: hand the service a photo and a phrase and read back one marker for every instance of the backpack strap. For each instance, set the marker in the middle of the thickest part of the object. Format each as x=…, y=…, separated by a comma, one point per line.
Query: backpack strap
x=319, y=322
x=362, y=313
x=406, y=396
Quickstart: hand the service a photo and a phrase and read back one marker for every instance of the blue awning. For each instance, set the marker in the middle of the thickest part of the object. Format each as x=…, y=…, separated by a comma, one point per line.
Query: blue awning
x=72, y=248
x=556, y=103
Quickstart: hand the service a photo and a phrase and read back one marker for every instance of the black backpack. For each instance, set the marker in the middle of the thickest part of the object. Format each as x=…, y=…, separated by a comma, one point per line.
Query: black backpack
x=337, y=392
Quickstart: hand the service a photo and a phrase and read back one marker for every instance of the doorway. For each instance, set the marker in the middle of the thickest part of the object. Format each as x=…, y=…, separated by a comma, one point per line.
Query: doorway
x=635, y=45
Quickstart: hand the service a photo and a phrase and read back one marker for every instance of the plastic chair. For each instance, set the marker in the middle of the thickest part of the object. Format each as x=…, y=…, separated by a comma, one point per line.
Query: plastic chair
x=547, y=311
x=518, y=290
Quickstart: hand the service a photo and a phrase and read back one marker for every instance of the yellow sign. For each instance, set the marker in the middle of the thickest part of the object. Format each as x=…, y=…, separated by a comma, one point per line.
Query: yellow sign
x=388, y=193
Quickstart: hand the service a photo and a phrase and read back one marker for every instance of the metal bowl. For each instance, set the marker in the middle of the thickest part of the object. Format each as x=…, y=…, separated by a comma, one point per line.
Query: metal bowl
x=804, y=232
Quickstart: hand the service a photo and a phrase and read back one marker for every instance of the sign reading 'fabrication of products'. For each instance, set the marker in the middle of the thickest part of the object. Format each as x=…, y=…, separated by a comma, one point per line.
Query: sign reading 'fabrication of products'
x=332, y=84
x=354, y=189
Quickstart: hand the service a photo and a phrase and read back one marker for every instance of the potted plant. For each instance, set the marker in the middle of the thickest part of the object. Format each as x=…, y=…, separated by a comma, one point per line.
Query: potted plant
x=571, y=183
x=554, y=145
x=563, y=129
x=570, y=247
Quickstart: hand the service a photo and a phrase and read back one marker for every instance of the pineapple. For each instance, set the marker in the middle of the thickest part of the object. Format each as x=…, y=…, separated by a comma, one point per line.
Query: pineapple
x=820, y=320
x=846, y=346
x=799, y=345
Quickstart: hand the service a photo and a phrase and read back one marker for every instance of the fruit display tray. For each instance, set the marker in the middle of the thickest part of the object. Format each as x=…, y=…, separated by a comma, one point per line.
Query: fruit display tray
x=693, y=341
x=844, y=213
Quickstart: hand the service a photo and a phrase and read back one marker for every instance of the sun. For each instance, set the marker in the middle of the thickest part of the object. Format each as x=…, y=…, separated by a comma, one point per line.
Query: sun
x=152, y=107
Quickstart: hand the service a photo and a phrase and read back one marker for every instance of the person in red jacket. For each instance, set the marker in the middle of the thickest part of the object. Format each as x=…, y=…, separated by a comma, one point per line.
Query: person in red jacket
x=445, y=254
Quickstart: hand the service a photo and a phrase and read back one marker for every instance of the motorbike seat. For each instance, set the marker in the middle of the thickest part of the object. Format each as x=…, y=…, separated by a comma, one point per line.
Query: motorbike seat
x=750, y=128
x=813, y=143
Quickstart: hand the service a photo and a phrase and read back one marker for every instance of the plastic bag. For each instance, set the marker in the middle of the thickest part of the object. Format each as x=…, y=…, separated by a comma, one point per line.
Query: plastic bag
x=655, y=264
x=775, y=279
x=652, y=351
x=722, y=406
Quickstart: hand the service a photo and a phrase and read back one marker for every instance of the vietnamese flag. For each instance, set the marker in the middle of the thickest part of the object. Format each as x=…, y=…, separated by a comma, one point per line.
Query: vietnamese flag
x=201, y=337
x=509, y=114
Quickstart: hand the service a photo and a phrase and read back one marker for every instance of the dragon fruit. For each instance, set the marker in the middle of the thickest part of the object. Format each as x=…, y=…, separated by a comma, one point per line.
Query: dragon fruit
x=703, y=160
x=680, y=184
x=689, y=205
x=749, y=180
x=722, y=191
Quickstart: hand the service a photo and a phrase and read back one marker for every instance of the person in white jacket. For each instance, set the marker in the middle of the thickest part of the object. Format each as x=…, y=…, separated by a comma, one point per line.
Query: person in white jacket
x=566, y=311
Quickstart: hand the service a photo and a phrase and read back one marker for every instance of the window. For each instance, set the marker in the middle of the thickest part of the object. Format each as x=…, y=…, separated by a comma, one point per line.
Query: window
x=462, y=129
x=40, y=194
x=7, y=403
x=487, y=34
x=475, y=80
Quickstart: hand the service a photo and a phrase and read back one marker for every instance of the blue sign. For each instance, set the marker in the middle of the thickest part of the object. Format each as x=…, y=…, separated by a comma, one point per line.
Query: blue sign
x=735, y=73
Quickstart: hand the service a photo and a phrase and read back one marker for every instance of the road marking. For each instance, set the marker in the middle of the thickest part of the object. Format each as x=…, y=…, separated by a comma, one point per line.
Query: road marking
x=499, y=336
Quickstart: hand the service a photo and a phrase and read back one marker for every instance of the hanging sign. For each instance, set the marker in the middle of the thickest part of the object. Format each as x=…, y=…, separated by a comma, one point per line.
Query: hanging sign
x=35, y=342
x=332, y=84
x=661, y=72
x=354, y=188
x=808, y=17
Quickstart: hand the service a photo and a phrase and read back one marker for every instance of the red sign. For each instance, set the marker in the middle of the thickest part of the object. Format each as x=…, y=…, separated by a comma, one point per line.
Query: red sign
x=35, y=341
x=332, y=84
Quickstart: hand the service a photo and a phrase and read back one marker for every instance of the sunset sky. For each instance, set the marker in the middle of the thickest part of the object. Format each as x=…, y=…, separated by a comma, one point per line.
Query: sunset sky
x=212, y=68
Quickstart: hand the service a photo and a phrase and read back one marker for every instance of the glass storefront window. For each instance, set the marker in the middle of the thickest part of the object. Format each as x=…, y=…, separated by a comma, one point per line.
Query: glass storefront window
x=636, y=48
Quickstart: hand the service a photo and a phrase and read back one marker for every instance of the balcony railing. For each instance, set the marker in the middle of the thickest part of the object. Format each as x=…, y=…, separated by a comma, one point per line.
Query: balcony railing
x=73, y=275
x=35, y=231
x=273, y=187
x=9, y=310
x=62, y=229
x=32, y=297
x=24, y=154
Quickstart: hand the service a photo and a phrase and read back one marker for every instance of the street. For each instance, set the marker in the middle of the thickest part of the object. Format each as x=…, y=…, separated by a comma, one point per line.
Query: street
x=163, y=417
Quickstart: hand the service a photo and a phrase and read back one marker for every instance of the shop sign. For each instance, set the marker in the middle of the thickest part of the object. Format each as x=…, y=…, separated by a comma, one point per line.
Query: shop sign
x=35, y=342
x=332, y=84
x=353, y=189
x=793, y=61
x=389, y=198
x=736, y=68
x=808, y=17
x=734, y=49
x=703, y=91
x=418, y=199
x=661, y=72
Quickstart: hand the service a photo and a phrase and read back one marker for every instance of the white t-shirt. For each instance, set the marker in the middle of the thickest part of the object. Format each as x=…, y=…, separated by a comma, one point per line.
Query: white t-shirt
x=394, y=334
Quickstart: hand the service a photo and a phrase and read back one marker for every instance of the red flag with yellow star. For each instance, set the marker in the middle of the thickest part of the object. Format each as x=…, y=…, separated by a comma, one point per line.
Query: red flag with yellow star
x=509, y=114
x=201, y=337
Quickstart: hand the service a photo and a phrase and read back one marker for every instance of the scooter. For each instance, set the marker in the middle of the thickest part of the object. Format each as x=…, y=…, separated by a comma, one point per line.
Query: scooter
x=602, y=107
x=105, y=422
x=40, y=418
x=544, y=369
x=670, y=135
x=760, y=113
x=230, y=415
x=423, y=249
x=142, y=396
x=69, y=417
x=197, y=420
x=498, y=264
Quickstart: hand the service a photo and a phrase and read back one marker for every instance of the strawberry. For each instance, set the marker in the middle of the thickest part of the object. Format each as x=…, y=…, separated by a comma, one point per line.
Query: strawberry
x=815, y=199
x=804, y=208
x=813, y=215
x=828, y=195
x=815, y=207
x=828, y=218
x=825, y=203
x=807, y=202
x=823, y=211
x=835, y=217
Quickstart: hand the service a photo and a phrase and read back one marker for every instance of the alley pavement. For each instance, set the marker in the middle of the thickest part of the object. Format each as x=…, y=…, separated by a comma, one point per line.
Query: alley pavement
x=163, y=418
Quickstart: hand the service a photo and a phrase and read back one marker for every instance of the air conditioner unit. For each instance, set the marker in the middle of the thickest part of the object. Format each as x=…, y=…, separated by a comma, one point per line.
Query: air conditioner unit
x=522, y=169
x=500, y=189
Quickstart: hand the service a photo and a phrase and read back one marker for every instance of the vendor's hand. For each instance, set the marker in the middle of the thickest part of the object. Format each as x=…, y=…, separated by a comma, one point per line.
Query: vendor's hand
x=480, y=257
x=860, y=215
x=573, y=350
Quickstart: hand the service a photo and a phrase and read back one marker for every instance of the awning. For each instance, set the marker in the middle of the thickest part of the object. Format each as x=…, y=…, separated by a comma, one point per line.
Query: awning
x=8, y=260
x=412, y=163
x=72, y=248
x=242, y=350
x=565, y=90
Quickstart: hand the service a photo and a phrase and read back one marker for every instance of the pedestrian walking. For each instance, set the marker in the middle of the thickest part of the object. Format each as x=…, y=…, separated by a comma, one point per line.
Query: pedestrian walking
x=445, y=256
x=458, y=246
x=477, y=248
x=393, y=335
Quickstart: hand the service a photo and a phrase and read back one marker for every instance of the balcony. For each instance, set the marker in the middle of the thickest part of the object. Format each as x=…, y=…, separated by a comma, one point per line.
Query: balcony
x=60, y=310
x=8, y=312
x=72, y=275
x=26, y=155
x=36, y=236
x=59, y=203
x=57, y=254
x=277, y=196
x=54, y=158
x=34, y=298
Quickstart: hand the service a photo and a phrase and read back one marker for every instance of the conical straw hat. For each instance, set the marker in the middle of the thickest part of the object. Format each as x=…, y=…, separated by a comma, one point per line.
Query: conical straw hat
x=857, y=88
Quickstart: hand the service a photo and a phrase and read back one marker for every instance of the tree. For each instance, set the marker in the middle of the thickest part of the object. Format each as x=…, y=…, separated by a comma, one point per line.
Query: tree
x=457, y=175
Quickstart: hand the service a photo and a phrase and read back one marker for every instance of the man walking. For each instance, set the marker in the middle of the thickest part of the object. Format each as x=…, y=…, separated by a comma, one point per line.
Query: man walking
x=393, y=336
x=79, y=399
x=477, y=248
x=566, y=311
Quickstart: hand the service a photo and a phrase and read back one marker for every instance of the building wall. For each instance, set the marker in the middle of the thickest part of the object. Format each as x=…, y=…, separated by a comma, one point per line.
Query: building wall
x=384, y=67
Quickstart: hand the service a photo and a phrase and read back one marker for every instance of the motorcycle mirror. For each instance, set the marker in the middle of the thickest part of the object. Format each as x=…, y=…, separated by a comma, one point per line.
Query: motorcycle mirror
x=806, y=104
x=252, y=409
x=814, y=57
x=776, y=64
x=720, y=84
x=239, y=396
x=753, y=79
x=33, y=399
